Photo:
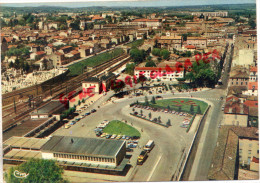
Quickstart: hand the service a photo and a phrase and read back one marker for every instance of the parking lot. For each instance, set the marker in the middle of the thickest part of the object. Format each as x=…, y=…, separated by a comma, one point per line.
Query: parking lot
x=177, y=119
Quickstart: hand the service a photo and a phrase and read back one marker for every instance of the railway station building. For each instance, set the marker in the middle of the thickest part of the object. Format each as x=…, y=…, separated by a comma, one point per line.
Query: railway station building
x=73, y=153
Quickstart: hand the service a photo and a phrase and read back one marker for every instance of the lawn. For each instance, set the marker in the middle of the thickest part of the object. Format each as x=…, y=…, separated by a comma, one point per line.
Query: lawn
x=118, y=127
x=136, y=43
x=184, y=103
x=76, y=69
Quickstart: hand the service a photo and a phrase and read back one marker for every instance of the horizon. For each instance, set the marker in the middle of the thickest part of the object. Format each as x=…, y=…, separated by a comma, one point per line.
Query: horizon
x=130, y=3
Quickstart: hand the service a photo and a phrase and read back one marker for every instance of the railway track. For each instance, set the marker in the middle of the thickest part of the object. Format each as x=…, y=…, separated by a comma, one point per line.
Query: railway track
x=73, y=83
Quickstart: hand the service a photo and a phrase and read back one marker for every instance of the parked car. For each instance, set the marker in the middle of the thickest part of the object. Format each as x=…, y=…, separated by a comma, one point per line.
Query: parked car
x=129, y=150
x=67, y=126
x=113, y=136
x=98, y=134
x=93, y=110
x=73, y=122
x=108, y=136
x=118, y=137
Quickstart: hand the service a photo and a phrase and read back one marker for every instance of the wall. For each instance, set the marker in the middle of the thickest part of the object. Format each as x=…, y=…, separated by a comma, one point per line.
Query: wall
x=247, y=149
x=236, y=120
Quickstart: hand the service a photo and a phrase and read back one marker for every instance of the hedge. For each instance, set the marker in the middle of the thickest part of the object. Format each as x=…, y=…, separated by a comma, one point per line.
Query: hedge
x=191, y=121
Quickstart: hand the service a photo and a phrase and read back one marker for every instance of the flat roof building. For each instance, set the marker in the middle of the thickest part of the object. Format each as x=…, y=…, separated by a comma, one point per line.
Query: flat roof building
x=53, y=107
x=84, y=150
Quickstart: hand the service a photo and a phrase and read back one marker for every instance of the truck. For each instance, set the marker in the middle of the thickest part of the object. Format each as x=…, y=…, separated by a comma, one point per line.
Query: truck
x=142, y=157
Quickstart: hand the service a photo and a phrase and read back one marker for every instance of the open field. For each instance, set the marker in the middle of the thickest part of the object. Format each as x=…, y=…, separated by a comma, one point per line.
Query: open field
x=118, y=127
x=76, y=69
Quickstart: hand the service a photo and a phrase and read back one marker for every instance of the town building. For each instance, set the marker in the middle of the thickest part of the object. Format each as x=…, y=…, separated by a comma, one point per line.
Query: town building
x=170, y=42
x=53, y=108
x=238, y=78
x=211, y=14
x=84, y=150
x=235, y=112
x=91, y=83
x=235, y=146
x=199, y=42
x=163, y=74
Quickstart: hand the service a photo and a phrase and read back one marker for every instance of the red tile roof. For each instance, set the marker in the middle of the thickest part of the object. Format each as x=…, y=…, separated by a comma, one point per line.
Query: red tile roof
x=252, y=85
x=74, y=52
x=146, y=20
x=190, y=47
x=251, y=103
x=253, y=69
x=59, y=53
x=40, y=52
x=236, y=108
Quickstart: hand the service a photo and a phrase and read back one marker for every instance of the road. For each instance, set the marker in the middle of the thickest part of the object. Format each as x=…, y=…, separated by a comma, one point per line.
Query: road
x=170, y=142
x=208, y=141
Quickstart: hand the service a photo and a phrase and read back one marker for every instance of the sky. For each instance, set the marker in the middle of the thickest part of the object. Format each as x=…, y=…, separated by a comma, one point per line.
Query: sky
x=113, y=3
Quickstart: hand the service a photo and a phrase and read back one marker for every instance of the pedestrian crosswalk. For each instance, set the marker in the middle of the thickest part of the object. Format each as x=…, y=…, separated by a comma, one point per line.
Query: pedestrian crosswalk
x=211, y=98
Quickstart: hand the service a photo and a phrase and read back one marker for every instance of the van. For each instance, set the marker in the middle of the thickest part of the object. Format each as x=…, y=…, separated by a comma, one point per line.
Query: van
x=149, y=146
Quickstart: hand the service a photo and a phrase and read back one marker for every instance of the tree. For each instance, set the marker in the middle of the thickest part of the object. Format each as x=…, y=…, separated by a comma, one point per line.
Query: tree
x=130, y=69
x=142, y=79
x=141, y=112
x=150, y=115
x=168, y=122
x=165, y=54
x=159, y=119
x=153, y=100
x=150, y=64
x=179, y=109
x=38, y=170
x=137, y=55
x=191, y=109
x=156, y=52
x=252, y=23
x=11, y=64
x=168, y=107
x=133, y=109
x=146, y=100
x=117, y=86
x=198, y=110
x=79, y=102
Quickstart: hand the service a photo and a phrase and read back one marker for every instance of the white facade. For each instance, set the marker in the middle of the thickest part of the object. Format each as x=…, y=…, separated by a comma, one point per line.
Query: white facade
x=162, y=74
x=79, y=158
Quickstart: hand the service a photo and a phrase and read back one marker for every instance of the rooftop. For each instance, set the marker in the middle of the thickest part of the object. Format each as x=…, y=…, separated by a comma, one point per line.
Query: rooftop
x=51, y=106
x=91, y=79
x=85, y=146
x=25, y=142
x=223, y=165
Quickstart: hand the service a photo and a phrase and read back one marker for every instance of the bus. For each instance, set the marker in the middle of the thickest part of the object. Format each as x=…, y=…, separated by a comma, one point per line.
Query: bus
x=149, y=146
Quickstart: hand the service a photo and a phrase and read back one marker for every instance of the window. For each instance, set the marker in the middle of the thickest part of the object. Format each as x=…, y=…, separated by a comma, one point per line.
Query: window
x=241, y=83
x=240, y=151
x=241, y=144
x=250, y=145
x=237, y=83
x=249, y=152
x=248, y=160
